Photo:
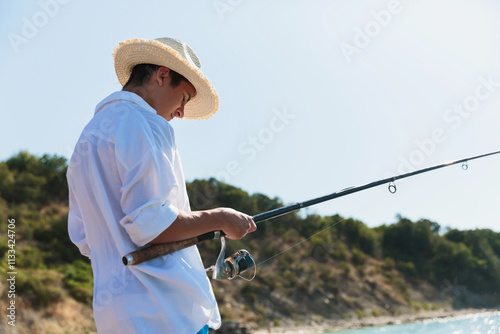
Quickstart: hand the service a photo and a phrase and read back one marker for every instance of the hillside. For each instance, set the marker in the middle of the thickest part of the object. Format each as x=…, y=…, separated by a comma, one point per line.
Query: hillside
x=311, y=269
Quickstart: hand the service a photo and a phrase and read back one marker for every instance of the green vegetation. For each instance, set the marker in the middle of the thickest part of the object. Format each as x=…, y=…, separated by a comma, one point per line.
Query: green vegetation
x=329, y=273
x=34, y=192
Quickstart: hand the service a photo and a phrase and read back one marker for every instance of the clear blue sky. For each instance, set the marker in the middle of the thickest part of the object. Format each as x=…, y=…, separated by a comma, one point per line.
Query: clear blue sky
x=316, y=96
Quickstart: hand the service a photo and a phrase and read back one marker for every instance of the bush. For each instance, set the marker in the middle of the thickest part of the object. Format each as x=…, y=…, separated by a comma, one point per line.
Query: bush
x=345, y=267
x=359, y=235
x=54, y=241
x=41, y=287
x=389, y=264
x=78, y=280
x=340, y=251
x=407, y=268
x=30, y=257
x=361, y=313
x=358, y=257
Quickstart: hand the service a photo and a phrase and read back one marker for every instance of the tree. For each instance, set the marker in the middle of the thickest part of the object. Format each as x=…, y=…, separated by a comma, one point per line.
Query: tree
x=26, y=178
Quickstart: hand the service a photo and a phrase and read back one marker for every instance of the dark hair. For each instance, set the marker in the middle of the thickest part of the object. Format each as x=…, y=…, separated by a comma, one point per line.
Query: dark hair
x=141, y=73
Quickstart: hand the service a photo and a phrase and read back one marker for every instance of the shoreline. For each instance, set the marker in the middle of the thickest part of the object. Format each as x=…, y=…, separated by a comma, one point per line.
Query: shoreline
x=340, y=325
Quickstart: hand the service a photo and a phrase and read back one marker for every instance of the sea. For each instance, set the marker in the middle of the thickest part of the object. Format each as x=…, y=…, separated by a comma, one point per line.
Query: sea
x=478, y=323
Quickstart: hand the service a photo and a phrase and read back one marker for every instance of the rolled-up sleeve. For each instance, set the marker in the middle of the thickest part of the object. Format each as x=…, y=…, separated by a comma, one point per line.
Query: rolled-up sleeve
x=149, y=186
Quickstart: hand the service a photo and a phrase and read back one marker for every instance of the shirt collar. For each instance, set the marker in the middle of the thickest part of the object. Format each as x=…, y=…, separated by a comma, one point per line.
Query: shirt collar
x=124, y=96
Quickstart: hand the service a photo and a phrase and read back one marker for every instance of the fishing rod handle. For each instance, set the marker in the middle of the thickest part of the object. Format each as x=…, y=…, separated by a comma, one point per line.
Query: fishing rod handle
x=156, y=250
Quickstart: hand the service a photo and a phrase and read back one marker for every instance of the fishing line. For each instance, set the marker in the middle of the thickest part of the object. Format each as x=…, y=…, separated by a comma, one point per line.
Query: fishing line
x=301, y=242
x=239, y=262
x=391, y=187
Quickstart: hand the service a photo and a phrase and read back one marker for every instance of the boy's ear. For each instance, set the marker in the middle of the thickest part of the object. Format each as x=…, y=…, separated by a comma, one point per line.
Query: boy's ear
x=161, y=74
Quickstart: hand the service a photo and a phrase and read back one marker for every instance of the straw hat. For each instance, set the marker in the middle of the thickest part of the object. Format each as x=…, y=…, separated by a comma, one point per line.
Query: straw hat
x=177, y=56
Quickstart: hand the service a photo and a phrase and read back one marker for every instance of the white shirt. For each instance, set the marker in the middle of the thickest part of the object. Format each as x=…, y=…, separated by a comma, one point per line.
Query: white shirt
x=126, y=186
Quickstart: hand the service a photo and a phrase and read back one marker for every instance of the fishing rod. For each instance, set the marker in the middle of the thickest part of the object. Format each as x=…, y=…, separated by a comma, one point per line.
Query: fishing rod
x=242, y=261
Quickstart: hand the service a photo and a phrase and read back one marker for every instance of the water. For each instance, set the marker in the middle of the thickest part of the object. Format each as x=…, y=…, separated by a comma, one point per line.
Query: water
x=479, y=323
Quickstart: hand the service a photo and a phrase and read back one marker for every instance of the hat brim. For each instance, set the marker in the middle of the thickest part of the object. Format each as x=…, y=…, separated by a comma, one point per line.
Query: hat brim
x=141, y=51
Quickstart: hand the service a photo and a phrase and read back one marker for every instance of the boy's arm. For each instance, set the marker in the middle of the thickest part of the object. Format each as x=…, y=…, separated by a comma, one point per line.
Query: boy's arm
x=191, y=224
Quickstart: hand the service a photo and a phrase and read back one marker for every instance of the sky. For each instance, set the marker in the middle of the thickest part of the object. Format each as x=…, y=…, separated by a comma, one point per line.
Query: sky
x=316, y=96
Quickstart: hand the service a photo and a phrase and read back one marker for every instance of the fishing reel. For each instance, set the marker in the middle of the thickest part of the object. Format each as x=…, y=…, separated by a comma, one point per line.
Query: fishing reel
x=233, y=266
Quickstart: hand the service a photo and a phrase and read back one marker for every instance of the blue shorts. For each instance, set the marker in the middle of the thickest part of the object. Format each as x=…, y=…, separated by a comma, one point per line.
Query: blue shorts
x=204, y=330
